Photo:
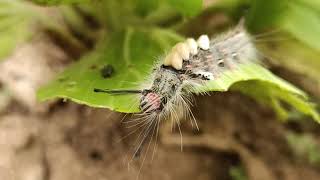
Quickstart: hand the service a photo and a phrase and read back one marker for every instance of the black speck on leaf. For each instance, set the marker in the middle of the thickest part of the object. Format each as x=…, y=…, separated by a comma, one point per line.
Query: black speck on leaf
x=107, y=71
x=93, y=66
x=62, y=79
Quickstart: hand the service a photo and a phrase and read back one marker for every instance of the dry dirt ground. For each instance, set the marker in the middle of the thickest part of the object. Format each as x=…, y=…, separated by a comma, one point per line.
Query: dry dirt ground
x=65, y=141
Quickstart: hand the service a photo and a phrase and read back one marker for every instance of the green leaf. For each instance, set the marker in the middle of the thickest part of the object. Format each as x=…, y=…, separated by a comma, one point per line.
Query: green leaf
x=17, y=21
x=144, y=7
x=299, y=17
x=238, y=173
x=276, y=96
x=264, y=13
x=248, y=72
x=304, y=146
x=187, y=8
x=295, y=56
x=15, y=18
x=258, y=82
x=131, y=55
x=59, y=2
x=313, y=4
x=304, y=23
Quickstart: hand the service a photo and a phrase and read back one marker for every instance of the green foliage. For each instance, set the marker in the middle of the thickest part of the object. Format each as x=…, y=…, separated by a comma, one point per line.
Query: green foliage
x=15, y=18
x=303, y=21
x=187, y=8
x=238, y=173
x=264, y=14
x=19, y=20
x=301, y=18
x=59, y=2
x=305, y=146
x=299, y=49
x=145, y=7
x=278, y=95
x=295, y=55
x=256, y=81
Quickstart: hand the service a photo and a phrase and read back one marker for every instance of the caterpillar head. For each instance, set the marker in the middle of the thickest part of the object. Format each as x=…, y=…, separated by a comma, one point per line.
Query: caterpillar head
x=150, y=102
x=164, y=86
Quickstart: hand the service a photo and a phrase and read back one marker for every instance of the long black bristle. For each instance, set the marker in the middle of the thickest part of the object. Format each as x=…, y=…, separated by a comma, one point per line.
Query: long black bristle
x=117, y=91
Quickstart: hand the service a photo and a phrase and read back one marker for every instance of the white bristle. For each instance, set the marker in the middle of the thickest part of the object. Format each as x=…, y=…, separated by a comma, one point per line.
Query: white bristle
x=204, y=42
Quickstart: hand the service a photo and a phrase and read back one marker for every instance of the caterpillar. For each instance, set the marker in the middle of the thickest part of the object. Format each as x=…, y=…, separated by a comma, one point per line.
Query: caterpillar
x=189, y=64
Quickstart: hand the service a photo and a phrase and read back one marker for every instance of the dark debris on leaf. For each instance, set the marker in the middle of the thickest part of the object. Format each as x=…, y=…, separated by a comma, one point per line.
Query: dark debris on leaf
x=107, y=71
x=62, y=79
x=93, y=67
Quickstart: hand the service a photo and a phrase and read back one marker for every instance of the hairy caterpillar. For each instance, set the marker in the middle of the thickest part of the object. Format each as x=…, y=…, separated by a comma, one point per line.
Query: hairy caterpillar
x=189, y=64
